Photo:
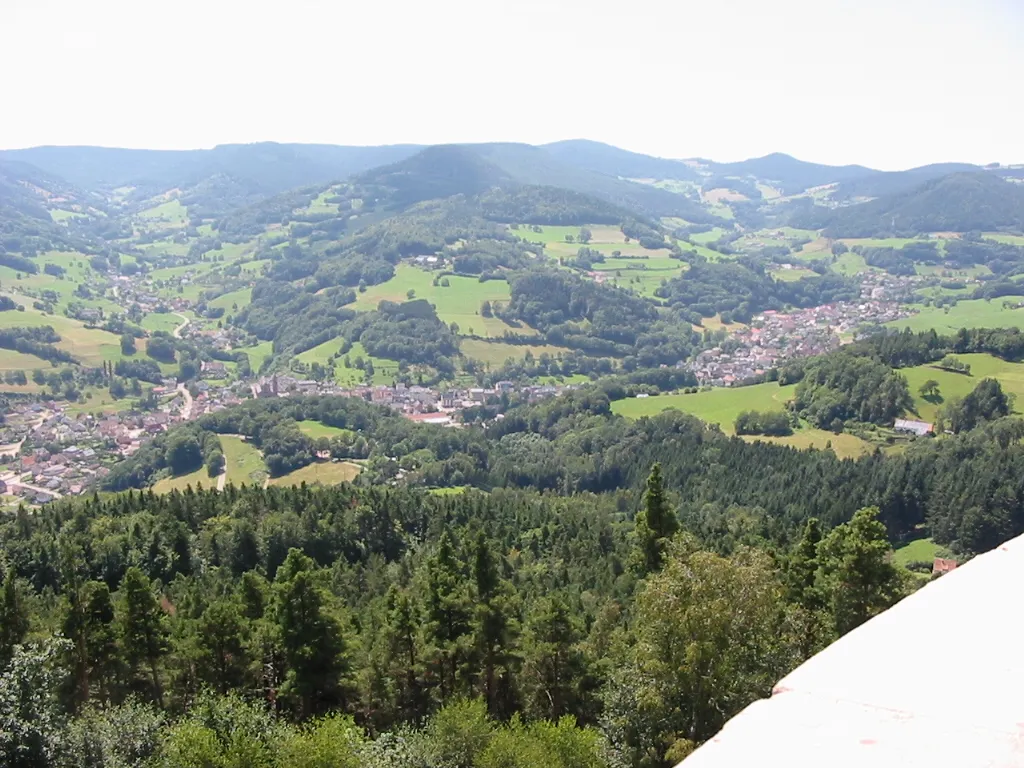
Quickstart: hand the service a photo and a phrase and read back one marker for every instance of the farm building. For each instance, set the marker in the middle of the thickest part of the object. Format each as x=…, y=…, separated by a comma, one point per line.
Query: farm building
x=919, y=428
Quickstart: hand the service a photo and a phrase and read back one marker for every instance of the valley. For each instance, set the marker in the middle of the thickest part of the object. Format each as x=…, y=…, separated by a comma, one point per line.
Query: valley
x=458, y=276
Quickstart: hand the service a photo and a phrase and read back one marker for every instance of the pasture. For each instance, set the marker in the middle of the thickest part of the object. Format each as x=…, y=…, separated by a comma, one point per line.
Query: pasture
x=90, y=345
x=643, y=275
x=243, y=461
x=1002, y=237
x=719, y=405
x=496, y=352
x=918, y=551
x=1009, y=375
x=722, y=405
x=458, y=302
x=971, y=313
x=170, y=213
x=844, y=445
x=320, y=473
x=316, y=430
x=229, y=301
x=258, y=353
x=384, y=370
x=181, y=482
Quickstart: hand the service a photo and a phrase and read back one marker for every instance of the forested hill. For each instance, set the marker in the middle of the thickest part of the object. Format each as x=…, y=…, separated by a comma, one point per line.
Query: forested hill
x=959, y=202
x=612, y=161
x=470, y=168
x=789, y=174
x=268, y=167
x=27, y=197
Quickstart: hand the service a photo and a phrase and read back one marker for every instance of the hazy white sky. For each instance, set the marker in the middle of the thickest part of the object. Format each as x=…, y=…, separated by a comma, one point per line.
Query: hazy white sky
x=887, y=83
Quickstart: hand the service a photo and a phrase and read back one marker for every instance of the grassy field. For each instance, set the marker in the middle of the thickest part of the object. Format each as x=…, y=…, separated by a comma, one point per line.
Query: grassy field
x=384, y=370
x=844, y=445
x=179, y=483
x=1001, y=237
x=918, y=551
x=90, y=345
x=792, y=275
x=707, y=237
x=459, y=302
x=170, y=213
x=642, y=275
x=17, y=361
x=497, y=352
x=972, y=313
x=321, y=472
x=315, y=430
x=243, y=461
x=1009, y=375
x=59, y=214
x=227, y=301
x=720, y=405
x=160, y=321
x=257, y=354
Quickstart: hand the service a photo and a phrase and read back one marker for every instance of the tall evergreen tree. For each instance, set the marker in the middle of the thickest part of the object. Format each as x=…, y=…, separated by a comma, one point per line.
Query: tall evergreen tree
x=448, y=613
x=143, y=628
x=13, y=617
x=656, y=524
x=311, y=636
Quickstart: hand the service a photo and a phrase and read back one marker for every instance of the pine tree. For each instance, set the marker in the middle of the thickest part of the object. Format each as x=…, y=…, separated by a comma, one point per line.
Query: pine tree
x=655, y=526
x=143, y=629
x=13, y=618
x=803, y=567
x=311, y=636
x=493, y=629
x=448, y=612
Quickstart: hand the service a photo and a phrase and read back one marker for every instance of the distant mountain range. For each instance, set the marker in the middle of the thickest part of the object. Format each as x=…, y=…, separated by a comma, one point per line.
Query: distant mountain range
x=215, y=182
x=956, y=202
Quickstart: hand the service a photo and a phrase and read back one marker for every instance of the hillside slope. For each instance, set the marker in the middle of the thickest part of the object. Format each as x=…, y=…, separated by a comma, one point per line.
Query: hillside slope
x=612, y=161
x=958, y=202
x=268, y=167
x=789, y=174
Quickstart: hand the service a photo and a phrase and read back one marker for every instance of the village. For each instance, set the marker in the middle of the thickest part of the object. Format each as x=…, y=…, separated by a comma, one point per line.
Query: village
x=775, y=337
x=50, y=449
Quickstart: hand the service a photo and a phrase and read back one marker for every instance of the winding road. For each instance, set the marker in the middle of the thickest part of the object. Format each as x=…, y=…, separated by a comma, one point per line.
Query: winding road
x=184, y=324
x=186, y=408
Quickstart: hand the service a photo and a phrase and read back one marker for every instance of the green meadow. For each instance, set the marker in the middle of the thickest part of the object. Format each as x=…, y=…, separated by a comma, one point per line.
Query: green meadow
x=495, y=352
x=951, y=385
x=719, y=405
x=243, y=461
x=320, y=473
x=970, y=313
x=458, y=302
x=316, y=429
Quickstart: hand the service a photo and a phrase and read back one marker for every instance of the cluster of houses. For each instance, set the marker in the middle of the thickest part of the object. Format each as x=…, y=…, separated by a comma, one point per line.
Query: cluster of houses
x=774, y=337
x=416, y=402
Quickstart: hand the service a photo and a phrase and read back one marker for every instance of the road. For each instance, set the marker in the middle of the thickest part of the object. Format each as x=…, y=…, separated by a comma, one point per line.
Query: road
x=12, y=479
x=186, y=409
x=184, y=324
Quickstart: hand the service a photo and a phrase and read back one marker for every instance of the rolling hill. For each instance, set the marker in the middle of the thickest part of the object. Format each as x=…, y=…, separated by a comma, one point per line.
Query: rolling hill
x=958, y=202
x=884, y=183
x=789, y=174
x=612, y=161
x=267, y=167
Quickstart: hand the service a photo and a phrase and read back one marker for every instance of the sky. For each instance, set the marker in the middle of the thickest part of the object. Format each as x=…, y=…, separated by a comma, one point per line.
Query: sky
x=886, y=83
